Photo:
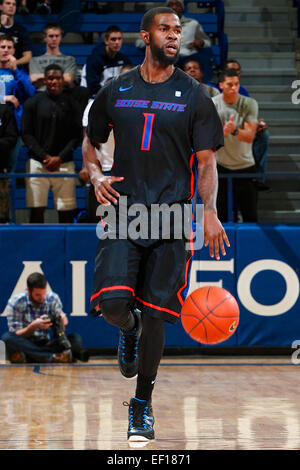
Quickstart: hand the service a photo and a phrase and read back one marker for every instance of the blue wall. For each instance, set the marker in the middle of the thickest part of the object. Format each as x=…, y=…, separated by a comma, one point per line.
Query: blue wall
x=261, y=269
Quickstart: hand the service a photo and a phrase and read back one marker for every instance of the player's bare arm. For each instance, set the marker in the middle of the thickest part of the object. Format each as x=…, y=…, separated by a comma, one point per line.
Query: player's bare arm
x=214, y=233
x=104, y=191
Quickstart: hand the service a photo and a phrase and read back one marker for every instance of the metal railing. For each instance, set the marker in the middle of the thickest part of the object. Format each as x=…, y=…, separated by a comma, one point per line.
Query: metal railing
x=230, y=176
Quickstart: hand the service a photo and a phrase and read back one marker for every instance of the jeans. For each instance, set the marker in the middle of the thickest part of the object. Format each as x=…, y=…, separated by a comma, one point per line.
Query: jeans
x=260, y=148
x=38, y=350
x=244, y=195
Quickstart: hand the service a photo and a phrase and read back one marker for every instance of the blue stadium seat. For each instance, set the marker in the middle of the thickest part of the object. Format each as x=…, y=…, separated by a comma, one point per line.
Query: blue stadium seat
x=128, y=22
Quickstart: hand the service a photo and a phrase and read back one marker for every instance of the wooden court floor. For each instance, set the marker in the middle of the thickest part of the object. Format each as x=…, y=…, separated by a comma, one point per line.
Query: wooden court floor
x=208, y=403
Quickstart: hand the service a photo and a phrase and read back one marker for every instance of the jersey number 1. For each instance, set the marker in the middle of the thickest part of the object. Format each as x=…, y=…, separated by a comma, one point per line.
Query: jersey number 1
x=147, y=132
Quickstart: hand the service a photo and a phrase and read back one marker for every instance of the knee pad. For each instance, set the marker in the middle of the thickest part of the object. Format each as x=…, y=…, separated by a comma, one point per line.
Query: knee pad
x=116, y=311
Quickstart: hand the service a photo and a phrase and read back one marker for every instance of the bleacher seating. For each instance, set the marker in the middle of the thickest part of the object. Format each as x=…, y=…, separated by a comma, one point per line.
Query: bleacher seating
x=128, y=22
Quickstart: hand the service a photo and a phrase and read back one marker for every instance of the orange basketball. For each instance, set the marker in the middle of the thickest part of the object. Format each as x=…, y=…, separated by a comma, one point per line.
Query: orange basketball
x=210, y=315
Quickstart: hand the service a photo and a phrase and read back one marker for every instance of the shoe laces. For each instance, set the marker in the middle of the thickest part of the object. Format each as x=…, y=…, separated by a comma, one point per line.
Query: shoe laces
x=129, y=346
x=138, y=413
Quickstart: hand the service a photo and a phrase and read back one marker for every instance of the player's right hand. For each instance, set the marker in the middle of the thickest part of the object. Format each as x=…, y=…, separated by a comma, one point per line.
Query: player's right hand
x=104, y=191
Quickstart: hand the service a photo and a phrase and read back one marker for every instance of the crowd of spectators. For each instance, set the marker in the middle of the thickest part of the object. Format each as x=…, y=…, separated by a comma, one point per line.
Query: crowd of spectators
x=44, y=106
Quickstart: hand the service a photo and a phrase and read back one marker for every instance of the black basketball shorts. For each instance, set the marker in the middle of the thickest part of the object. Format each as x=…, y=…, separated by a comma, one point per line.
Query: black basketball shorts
x=154, y=278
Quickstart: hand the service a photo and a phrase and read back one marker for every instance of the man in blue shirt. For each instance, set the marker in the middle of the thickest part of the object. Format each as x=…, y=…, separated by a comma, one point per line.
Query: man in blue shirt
x=15, y=87
x=30, y=316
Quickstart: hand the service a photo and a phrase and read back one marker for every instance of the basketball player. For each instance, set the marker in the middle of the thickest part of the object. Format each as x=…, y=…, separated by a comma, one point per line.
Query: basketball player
x=160, y=117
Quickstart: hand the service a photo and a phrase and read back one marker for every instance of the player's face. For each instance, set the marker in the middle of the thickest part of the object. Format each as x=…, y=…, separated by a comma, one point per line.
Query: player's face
x=114, y=42
x=165, y=38
x=6, y=49
x=192, y=68
x=54, y=82
x=230, y=87
x=53, y=38
x=8, y=7
x=37, y=295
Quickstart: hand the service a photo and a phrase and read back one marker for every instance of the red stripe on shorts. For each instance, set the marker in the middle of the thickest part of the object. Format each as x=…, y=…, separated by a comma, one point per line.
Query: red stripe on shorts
x=112, y=288
x=158, y=308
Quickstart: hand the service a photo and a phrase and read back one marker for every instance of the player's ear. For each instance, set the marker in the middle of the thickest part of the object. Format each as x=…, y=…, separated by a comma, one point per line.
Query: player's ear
x=145, y=36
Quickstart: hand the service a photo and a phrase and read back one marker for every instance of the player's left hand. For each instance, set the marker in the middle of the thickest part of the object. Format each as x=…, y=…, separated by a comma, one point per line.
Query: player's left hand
x=214, y=234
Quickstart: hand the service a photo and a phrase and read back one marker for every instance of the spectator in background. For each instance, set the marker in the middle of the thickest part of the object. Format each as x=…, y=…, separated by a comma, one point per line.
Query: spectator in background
x=17, y=31
x=261, y=141
x=195, y=70
x=15, y=88
x=8, y=139
x=52, y=37
x=239, y=118
x=106, y=61
x=52, y=130
x=30, y=317
x=195, y=44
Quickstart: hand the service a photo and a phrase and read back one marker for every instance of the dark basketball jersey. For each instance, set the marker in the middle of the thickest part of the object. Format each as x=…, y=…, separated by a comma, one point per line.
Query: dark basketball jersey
x=157, y=129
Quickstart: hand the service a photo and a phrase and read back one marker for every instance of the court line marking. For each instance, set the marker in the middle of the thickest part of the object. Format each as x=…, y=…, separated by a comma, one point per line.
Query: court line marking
x=36, y=368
